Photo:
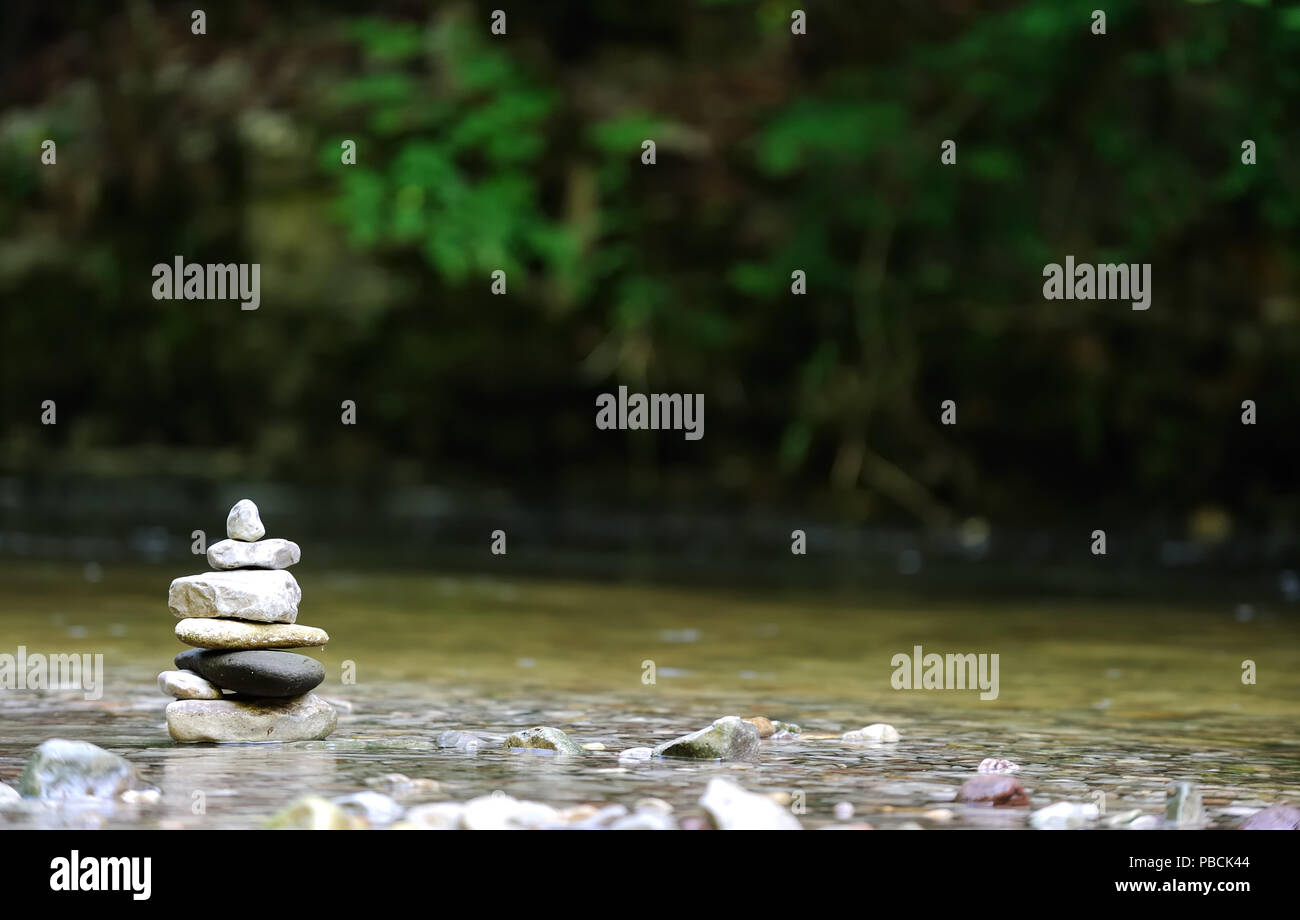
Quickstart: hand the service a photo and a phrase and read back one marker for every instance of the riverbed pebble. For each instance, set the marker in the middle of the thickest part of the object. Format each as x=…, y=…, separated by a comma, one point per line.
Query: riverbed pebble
x=1273, y=818
x=543, y=738
x=462, y=741
x=633, y=755
x=1063, y=815
x=733, y=808
x=500, y=812
x=62, y=769
x=993, y=789
x=728, y=738
x=1183, y=807
x=375, y=808
x=399, y=784
x=436, y=816
x=313, y=813
x=878, y=731
x=997, y=765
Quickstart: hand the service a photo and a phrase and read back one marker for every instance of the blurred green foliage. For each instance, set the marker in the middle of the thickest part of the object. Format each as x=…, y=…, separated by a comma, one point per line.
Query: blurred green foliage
x=775, y=153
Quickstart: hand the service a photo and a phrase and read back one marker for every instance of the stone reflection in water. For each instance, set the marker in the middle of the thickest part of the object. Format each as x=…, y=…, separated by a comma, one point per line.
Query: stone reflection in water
x=222, y=785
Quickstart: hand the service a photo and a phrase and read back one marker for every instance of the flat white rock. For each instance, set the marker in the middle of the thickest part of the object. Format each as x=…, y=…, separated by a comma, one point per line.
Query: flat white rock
x=267, y=596
x=299, y=718
x=244, y=523
x=261, y=554
x=505, y=813
x=186, y=685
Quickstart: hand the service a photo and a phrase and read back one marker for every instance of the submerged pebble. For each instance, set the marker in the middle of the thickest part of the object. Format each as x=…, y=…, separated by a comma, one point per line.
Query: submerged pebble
x=499, y=812
x=461, y=741
x=544, y=738
x=636, y=754
x=312, y=813
x=993, y=789
x=403, y=785
x=1061, y=815
x=1273, y=818
x=1183, y=806
x=61, y=769
x=436, y=816
x=377, y=809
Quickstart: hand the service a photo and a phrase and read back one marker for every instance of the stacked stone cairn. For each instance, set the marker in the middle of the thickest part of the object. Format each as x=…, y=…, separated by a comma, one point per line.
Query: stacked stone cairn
x=238, y=683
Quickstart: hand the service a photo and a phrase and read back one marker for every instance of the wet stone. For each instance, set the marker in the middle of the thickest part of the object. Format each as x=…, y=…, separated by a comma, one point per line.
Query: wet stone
x=636, y=754
x=304, y=718
x=879, y=731
x=1062, y=815
x=312, y=813
x=61, y=769
x=375, y=808
x=544, y=738
x=997, y=765
x=728, y=738
x=1274, y=818
x=993, y=789
x=732, y=808
x=1183, y=806
x=462, y=741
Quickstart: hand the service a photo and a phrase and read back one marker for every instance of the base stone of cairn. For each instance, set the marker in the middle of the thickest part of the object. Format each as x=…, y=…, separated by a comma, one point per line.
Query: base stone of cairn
x=237, y=684
x=302, y=718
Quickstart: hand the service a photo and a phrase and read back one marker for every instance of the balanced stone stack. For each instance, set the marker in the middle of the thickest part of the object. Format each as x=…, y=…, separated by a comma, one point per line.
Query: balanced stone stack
x=240, y=618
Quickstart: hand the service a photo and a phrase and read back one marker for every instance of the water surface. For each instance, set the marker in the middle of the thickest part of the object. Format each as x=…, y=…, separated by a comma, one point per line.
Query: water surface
x=1094, y=697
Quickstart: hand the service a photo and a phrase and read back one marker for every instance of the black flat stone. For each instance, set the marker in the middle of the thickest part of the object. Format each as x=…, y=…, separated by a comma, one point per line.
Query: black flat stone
x=255, y=673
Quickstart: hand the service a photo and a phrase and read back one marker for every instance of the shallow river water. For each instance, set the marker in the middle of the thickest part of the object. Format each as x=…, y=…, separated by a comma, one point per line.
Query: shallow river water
x=1095, y=699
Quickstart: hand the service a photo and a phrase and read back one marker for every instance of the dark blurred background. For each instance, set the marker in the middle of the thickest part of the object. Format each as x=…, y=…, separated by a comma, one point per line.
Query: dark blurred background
x=775, y=152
